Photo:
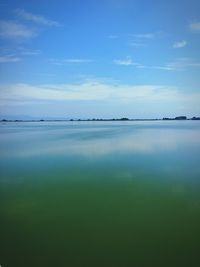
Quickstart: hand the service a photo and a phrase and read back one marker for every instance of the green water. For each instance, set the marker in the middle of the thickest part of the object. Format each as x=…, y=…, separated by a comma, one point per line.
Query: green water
x=102, y=194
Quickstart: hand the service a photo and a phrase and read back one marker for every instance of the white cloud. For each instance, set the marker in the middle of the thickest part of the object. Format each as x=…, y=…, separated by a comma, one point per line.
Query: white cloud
x=33, y=52
x=61, y=62
x=144, y=36
x=142, y=39
x=56, y=99
x=183, y=64
x=125, y=62
x=77, y=60
x=38, y=19
x=162, y=68
x=137, y=44
x=180, y=64
x=195, y=27
x=180, y=44
x=10, y=29
x=14, y=30
x=92, y=90
x=9, y=58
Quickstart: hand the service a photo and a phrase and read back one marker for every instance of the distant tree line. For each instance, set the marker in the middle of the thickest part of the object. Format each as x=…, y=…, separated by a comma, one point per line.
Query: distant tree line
x=114, y=119
x=181, y=118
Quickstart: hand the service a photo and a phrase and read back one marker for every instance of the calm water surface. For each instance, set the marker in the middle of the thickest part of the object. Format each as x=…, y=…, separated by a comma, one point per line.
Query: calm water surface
x=102, y=194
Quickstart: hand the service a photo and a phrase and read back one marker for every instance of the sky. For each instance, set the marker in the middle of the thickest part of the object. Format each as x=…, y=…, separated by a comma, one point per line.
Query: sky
x=99, y=59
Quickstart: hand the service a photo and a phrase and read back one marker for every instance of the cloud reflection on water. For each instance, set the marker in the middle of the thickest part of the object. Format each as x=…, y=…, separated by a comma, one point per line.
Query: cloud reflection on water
x=96, y=142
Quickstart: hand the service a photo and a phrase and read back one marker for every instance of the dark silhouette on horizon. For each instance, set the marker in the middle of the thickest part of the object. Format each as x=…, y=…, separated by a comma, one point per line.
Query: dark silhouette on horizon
x=181, y=118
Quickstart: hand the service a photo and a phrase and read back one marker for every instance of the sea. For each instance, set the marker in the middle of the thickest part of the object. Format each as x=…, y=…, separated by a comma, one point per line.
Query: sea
x=100, y=194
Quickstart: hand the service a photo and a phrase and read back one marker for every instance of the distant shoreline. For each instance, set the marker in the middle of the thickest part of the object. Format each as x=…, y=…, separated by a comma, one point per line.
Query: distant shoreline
x=180, y=118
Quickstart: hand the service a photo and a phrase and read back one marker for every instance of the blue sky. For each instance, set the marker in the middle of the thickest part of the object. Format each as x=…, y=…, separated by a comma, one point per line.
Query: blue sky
x=109, y=58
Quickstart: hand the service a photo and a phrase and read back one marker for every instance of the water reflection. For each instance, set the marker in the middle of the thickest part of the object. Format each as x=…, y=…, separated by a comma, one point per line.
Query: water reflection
x=96, y=140
x=120, y=191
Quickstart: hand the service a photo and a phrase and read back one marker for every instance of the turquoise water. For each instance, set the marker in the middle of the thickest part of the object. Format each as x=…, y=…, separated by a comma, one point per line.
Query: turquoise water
x=76, y=194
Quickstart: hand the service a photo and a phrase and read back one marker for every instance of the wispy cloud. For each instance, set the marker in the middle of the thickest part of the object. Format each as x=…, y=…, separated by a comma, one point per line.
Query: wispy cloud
x=77, y=60
x=183, y=64
x=9, y=59
x=86, y=91
x=61, y=62
x=144, y=35
x=137, y=44
x=30, y=52
x=15, y=30
x=54, y=94
x=38, y=19
x=142, y=39
x=12, y=29
x=168, y=68
x=179, y=64
x=180, y=44
x=17, y=54
x=139, y=39
x=125, y=62
x=195, y=27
